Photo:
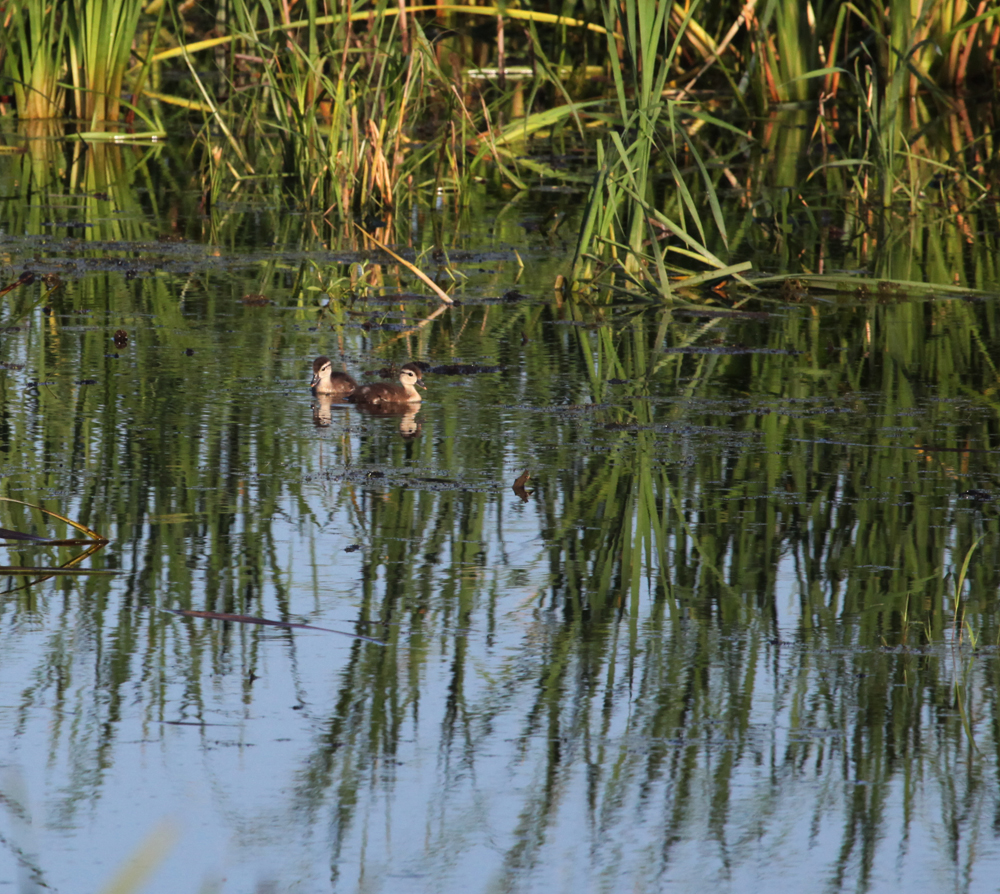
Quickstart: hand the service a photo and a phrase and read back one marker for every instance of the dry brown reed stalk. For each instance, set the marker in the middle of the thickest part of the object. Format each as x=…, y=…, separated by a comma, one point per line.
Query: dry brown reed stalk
x=83, y=529
x=745, y=17
x=423, y=277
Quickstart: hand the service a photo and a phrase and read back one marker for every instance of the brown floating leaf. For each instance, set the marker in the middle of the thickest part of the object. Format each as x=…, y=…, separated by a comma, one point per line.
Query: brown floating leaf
x=519, y=486
x=191, y=723
x=513, y=295
x=121, y=338
x=255, y=299
x=249, y=619
x=8, y=534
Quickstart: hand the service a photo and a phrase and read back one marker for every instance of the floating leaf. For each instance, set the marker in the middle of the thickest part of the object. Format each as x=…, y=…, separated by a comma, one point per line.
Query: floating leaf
x=255, y=299
x=519, y=486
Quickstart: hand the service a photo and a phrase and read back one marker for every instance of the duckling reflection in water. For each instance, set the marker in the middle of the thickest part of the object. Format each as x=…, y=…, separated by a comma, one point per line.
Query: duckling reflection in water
x=326, y=380
x=322, y=408
x=409, y=425
x=380, y=394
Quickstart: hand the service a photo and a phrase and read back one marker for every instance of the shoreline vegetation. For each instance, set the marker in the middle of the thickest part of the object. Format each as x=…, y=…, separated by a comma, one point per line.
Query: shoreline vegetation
x=659, y=113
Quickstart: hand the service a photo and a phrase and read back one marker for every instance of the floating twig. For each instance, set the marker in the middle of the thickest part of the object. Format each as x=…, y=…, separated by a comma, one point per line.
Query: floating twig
x=249, y=619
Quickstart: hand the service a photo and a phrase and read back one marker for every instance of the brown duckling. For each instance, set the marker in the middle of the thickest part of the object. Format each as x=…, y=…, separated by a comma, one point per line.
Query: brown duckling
x=379, y=393
x=326, y=381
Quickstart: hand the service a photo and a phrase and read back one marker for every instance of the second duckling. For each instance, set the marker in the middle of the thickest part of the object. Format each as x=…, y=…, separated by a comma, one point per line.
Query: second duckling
x=327, y=381
x=378, y=393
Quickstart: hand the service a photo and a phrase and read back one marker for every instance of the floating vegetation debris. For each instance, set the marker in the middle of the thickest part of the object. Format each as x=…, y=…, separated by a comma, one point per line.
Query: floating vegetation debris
x=25, y=279
x=92, y=541
x=265, y=622
x=92, y=536
x=519, y=486
x=255, y=300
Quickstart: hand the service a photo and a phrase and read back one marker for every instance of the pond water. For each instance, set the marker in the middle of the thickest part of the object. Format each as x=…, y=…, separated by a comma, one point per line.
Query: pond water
x=720, y=636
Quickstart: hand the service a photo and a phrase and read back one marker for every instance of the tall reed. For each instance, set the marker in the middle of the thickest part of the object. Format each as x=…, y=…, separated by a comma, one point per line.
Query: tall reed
x=85, y=43
x=32, y=44
x=100, y=41
x=625, y=226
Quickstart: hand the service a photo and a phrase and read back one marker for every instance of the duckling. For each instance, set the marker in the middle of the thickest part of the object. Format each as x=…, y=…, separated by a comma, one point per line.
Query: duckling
x=379, y=393
x=326, y=381
x=418, y=367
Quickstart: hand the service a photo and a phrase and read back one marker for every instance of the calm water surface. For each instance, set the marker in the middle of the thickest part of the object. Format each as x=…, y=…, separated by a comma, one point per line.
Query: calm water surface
x=716, y=640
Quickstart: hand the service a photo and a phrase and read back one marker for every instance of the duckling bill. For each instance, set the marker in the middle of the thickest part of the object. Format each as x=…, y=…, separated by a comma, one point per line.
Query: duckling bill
x=326, y=380
x=379, y=394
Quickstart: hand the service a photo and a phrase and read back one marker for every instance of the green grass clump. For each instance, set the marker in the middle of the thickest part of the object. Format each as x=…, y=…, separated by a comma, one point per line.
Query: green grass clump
x=664, y=108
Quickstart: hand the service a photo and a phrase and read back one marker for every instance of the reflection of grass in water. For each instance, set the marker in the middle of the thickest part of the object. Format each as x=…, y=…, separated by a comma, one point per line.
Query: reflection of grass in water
x=681, y=544
x=628, y=356
x=719, y=557
x=132, y=875
x=963, y=694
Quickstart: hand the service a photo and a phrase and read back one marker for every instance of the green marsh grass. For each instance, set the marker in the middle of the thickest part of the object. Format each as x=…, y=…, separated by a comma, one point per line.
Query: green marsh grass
x=361, y=112
x=100, y=34
x=32, y=48
x=80, y=47
x=620, y=220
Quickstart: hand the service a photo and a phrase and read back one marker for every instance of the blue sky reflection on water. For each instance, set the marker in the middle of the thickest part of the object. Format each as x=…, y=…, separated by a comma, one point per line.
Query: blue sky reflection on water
x=450, y=808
